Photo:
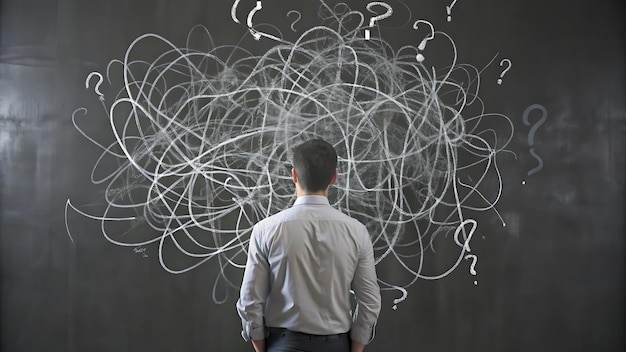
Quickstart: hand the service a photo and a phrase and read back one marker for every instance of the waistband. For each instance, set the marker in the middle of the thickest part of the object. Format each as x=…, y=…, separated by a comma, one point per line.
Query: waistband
x=287, y=332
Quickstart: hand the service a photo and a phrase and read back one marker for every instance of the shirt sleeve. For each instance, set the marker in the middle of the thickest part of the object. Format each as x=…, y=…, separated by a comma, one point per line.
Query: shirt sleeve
x=254, y=290
x=367, y=293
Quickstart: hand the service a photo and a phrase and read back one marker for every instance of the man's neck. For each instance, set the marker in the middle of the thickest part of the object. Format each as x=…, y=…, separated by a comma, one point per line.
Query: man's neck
x=302, y=193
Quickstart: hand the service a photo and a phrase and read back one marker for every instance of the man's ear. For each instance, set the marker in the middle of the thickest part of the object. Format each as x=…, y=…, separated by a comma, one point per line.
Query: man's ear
x=294, y=176
x=334, y=179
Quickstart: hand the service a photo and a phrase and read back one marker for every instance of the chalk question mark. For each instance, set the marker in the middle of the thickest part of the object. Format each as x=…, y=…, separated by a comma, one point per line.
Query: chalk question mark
x=505, y=70
x=97, y=88
x=254, y=33
x=531, y=134
x=449, y=10
x=377, y=18
x=473, y=265
x=419, y=57
x=398, y=300
x=297, y=20
x=466, y=243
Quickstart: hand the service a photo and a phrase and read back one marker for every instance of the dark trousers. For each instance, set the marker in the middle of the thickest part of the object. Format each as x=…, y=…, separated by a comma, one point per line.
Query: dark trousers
x=283, y=340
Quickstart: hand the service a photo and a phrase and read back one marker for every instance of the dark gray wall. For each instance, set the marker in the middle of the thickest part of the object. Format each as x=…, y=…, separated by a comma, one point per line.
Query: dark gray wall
x=552, y=280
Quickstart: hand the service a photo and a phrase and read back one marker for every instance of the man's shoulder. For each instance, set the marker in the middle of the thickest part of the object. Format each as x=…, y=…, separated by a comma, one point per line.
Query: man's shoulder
x=275, y=218
x=347, y=218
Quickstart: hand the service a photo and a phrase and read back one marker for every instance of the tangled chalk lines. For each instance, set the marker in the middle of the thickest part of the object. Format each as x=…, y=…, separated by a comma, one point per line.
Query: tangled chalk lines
x=201, y=141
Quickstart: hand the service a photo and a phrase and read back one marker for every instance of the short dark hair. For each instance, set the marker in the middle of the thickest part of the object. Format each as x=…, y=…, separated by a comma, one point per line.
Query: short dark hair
x=315, y=162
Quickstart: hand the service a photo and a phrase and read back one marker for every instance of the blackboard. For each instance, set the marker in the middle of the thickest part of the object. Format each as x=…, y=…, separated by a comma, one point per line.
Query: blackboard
x=523, y=119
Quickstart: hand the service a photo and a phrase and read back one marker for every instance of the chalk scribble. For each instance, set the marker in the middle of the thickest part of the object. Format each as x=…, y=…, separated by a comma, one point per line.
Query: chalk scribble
x=201, y=142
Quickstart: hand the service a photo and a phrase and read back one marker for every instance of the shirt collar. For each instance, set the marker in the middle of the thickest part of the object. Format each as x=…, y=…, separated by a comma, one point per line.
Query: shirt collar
x=311, y=200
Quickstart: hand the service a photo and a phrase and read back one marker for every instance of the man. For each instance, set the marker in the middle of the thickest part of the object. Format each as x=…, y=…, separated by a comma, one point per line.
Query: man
x=302, y=264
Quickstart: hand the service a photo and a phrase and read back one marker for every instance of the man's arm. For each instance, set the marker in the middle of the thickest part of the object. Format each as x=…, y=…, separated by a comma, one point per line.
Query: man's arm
x=254, y=292
x=367, y=293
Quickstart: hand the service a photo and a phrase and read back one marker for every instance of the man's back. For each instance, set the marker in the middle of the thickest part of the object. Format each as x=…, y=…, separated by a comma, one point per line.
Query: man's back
x=313, y=251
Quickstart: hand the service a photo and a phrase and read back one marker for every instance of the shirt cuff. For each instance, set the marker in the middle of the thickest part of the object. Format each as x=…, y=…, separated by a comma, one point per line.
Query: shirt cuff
x=362, y=334
x=253, y=333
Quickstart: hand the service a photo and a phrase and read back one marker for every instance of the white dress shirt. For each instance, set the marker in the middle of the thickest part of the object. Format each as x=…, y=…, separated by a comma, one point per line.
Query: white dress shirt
x=302, y=264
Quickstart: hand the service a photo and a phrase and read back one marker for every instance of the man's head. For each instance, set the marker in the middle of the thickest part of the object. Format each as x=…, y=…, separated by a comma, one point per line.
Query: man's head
x=314, y=165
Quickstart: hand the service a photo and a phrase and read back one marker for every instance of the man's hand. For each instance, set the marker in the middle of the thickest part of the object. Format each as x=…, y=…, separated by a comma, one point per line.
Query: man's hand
x=259, y=345
x=356, y=346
